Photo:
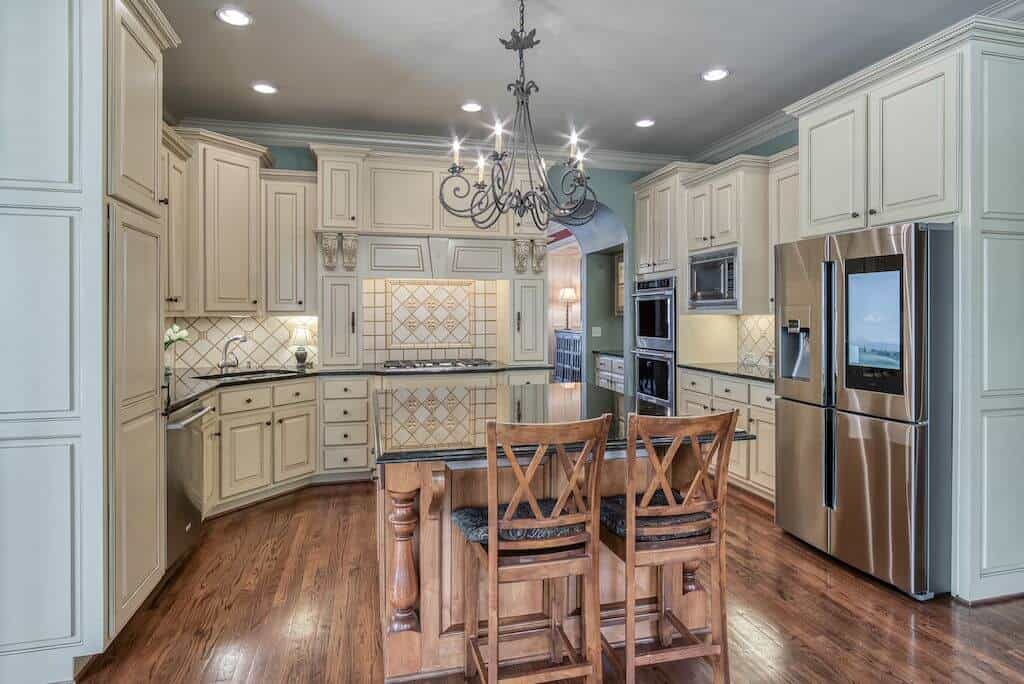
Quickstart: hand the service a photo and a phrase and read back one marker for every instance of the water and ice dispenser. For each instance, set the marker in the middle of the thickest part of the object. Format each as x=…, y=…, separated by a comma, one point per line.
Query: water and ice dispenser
x=794, y=353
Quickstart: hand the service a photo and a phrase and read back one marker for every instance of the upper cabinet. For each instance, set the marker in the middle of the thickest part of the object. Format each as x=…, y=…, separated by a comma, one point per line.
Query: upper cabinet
x=882, y=155
x=135, y=105
x=174, y=198
x=698, y=216
x=288, y=214
x=658, y=217
x=339, y=185
x=401, y=197
x=227, y=271
x=783, y=207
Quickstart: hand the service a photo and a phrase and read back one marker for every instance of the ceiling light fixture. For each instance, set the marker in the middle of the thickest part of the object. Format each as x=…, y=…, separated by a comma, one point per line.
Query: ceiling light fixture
x=264, y=88
x=645, y=123
x=518, y=176
x=234, y=16
x=715, y=74
x=471, y=107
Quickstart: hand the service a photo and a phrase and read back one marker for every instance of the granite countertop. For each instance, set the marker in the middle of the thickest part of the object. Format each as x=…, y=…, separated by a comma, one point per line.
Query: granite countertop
x=736, y=370
x=186, y=388
x=608, y=353
x=444, y=423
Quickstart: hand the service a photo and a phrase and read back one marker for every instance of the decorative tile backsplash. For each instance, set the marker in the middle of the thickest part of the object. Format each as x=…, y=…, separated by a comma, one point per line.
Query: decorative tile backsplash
x=756, y=340
x=267, y=344
x=437, y=417
x=429, y=319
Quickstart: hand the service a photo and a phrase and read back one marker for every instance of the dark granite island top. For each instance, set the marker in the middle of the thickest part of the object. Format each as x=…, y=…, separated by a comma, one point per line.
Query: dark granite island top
x=447, y=423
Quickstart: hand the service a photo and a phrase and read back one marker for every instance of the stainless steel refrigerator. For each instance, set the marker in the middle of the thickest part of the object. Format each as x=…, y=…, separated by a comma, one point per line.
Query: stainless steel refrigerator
x=864, y=417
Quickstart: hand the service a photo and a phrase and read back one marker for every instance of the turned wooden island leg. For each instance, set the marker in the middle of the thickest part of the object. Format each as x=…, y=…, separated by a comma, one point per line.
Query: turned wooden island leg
x=405, y=581
x=402, y=630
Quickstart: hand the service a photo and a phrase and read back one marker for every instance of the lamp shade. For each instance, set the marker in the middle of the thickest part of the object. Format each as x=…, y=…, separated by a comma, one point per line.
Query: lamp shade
x=301, y=337
x=567, y=295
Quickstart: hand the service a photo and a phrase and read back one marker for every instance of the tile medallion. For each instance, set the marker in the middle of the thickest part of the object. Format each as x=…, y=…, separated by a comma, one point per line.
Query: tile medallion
x=429, y=314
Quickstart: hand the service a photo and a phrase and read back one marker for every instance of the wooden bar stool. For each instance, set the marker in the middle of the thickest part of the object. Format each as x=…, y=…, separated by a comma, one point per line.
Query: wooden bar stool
x=537, y=539
x=663, y=527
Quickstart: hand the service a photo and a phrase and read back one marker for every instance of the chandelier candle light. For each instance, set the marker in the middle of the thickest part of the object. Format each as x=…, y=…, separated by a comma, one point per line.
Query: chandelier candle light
x=569, y=201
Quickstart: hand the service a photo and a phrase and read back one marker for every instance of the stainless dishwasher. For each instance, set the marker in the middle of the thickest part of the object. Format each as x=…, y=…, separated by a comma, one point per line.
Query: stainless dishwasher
x=184, y=480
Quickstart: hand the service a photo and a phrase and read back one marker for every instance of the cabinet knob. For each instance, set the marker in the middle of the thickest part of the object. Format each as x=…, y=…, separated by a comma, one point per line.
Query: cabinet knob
x=344, y=389
x=300, y=302
x=727, y=390
x=255, y=301
x=344, y=412
x=344, y=459
x=693, y=384
x=298, y=394
x=248, y=400
x=280, y=421
x=268, y=423
x=769, y=399
x=854, y=215
x=872, y=212
x=345, y=435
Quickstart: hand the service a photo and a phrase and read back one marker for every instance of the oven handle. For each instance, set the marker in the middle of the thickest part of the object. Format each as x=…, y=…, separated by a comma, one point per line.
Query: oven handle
x=654, y=354
x=664, y=294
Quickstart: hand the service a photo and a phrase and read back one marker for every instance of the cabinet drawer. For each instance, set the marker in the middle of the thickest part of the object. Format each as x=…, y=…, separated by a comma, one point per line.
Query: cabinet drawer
x=736, y=390
x=694, y=404
x=762, y=395
x=341, y=458
x=762, y=415
x=295, y=393
x=345, y=410
x=341, y=435
x=604, y=363
x=618, y=366
x=345, y=389
x=606, y=380
x=720, y=405
x=694, y=382
x=233, y=401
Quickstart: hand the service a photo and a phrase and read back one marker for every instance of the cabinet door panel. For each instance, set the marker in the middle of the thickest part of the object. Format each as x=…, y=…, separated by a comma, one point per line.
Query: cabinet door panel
x=245, y=455
x=662, y=225
x=339, y=330
x=450, y=224
x=833, y=168
x=528, y=328
x=642, y=231
x=285, y=224
x=232, y=232
x=725, y=206
x=136, y=110
x=698, y=224
x=176, y=227
x=339, y=193
x=762, y=449
x=913, y=132
x=402, y=199
x=294, y=443
x=783, y=214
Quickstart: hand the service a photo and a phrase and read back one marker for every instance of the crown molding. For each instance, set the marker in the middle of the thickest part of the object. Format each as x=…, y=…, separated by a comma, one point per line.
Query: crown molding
x=685, y=169
x=173, y=141
x=739, y=161
x=973, y=28
x=294, y=135
x=193, y=135
x=1010, y=10
x=744, y=139
x=153, y=18
x=288, y=175
x=785, y=156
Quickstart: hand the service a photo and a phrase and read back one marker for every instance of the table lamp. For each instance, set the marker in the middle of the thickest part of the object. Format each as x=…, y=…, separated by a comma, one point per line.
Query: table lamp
x=567, y=295
x=300, y=338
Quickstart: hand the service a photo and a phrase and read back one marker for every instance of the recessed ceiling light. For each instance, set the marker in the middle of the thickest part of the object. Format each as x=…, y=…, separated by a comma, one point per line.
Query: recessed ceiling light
x=234, y=16
x=264, y=88
x=645, y=123
x=471, y=107
x=715, y=74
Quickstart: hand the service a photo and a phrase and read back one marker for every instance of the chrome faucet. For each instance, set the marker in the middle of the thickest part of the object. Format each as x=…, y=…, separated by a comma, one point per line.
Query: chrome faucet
x=229, y=360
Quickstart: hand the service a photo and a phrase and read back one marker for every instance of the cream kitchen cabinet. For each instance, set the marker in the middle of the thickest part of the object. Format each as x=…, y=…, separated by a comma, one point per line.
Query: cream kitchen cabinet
x=450, y=224
x=295, y=450
x=662, y=226
x=642, y=230
x=137, y=473
x=339, y=185
x=339, y=338
x=529, y=320
x=174, y=198
x=246, y=454
x=762, y=449
x=401, y=197
x=289, y=210
x=783, y=207
x=698, y=213
x=135, y=103
x=885, y=155
x=226, y=238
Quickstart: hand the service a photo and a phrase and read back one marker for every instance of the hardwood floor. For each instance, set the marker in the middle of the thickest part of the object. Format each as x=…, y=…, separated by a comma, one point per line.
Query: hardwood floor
x=287, y=592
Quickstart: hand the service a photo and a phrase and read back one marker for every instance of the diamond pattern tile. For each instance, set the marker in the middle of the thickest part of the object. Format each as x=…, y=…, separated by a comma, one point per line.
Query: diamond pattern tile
x=267, y=344
x=756, y=340
x=429, y=314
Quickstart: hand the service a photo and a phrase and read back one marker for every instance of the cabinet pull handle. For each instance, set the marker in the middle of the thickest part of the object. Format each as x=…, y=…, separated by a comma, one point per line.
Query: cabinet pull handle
x=519, y=321
x=215, y=434
x=165, y=201
x=854, y=215
x=353, y=321
x=872, y=212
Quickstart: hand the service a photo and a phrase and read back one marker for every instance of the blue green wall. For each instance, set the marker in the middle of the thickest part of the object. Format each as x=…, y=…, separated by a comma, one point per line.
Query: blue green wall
x=292, y=158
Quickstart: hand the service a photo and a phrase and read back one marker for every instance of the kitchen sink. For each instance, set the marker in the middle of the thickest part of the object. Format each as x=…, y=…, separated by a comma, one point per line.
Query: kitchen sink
x=255, y=372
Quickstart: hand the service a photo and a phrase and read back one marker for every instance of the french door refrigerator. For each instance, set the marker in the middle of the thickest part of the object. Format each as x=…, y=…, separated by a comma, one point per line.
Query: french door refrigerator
x=864, y=416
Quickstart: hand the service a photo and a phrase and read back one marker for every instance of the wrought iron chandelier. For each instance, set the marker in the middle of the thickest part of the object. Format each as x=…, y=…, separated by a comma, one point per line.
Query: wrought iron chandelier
x=519, y=179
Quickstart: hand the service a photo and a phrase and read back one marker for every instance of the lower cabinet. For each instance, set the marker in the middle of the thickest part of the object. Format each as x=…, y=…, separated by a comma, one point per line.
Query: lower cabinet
x=762, y=450
x=294, y=442
x=346, y=427
x=246, y=453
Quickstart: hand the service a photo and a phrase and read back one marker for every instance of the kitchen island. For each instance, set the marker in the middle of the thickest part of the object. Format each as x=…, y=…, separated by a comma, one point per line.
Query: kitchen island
x=431, y=460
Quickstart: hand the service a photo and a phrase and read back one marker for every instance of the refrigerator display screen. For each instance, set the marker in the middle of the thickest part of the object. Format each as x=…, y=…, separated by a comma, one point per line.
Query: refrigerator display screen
x=874, y=324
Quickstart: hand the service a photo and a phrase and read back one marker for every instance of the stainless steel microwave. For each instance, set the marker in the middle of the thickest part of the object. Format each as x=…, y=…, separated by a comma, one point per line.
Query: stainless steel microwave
x=713, y=279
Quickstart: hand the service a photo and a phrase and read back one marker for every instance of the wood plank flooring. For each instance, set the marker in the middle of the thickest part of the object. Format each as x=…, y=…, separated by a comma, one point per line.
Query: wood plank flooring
x=287, y=591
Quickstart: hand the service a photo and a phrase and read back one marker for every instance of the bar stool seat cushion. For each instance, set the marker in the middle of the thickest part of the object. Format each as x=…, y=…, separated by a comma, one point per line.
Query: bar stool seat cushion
x=613, y=517
x=472, y=522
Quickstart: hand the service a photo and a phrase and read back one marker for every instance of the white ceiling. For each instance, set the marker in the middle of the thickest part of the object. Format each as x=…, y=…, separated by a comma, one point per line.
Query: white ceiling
x=406, y=65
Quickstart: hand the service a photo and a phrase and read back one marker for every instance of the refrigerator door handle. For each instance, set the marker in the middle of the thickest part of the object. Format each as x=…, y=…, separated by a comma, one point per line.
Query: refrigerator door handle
x=828, y=324
x=828, y=466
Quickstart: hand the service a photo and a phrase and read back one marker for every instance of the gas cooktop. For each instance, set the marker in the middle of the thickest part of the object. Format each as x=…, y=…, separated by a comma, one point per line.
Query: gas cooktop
x=437, y=364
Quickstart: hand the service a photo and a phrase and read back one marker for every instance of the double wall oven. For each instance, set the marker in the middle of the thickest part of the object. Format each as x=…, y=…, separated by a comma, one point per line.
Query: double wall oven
x=654, y=317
